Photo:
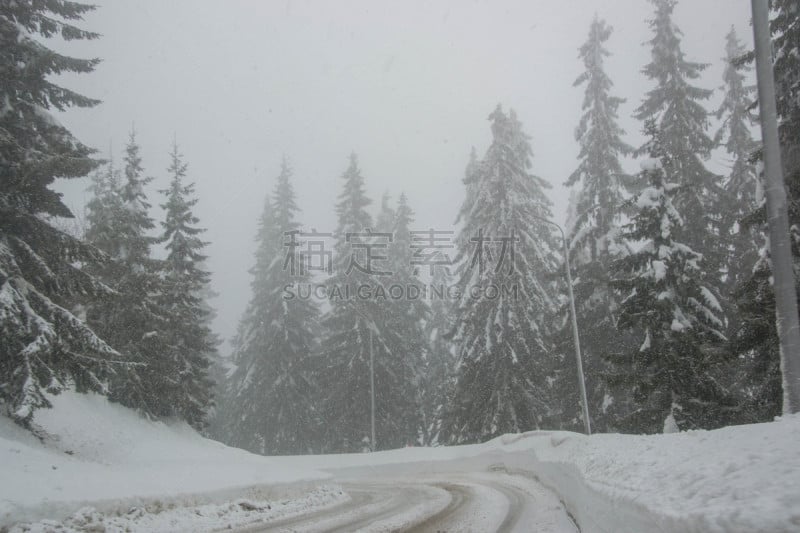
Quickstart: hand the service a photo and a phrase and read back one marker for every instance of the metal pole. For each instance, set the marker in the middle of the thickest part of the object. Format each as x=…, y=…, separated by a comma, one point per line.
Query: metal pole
x=372, y=389
x=777, y=217
x=573, y=315
x=578, y=359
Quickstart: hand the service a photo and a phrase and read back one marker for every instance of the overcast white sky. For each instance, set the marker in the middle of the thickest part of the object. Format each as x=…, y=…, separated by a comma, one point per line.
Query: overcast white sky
x=405, y=84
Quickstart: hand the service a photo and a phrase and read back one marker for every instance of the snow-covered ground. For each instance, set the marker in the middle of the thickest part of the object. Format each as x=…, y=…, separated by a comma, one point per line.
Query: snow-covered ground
x=104, y=455
x=104, y=467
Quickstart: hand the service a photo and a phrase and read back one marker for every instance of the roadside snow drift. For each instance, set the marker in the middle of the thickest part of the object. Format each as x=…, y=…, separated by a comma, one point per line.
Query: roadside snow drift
x=735, y=479
x=105, y=455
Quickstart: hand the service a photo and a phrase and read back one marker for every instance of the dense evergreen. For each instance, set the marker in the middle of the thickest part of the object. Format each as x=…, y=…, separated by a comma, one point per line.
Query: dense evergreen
x=271, y=406
x=756, y=339
x=742, y=182
x=672, y=372
x=438, y=368
x=191, y=345
x=672, y=274
x=502, y=337
x=746, y=271
x=600, y=187
x=406, y=309
x=45, y=346
x=103, y=211
x=675, y=107
x=356, y=310
x=131, y=320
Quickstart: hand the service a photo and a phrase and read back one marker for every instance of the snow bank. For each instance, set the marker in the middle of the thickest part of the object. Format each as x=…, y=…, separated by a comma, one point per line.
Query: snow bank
x=106, y=455
x=736, y=479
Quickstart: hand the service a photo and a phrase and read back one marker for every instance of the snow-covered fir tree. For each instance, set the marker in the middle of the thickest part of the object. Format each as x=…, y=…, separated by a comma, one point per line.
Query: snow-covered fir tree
x=103, y=208
x=599, y=175
x=756, y=339
x=438, y=368
x=407, y=310
x=270, y=403
x=470, y=184
x=672, y=372
x=190, y=343
x=600, y=188
x=45, y=346
x=358, y=314
x=674, y=105
x=131, y=319
x=220, y=365
x=741, y=183
x=739, y=227
x=505, y=253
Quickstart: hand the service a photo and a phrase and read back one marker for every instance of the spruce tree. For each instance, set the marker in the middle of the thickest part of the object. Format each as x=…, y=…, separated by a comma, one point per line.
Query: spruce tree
x=219, y=365
x=600, y=189
x=502, y=335
x=191, y=345
x=756, y=339
x=674, y=105
x=131, y=319
x=599, y=174
x=358, y=313
x=745, y=272
x=470, y=184
x=740, y=185
x=103, y=209
x=271, y=395
x=45, y=345
x=407, y=310
x=438, y=368
x=672, y=373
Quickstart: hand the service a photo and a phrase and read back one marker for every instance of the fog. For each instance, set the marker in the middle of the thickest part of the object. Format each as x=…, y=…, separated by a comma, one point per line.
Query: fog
x=406, y=85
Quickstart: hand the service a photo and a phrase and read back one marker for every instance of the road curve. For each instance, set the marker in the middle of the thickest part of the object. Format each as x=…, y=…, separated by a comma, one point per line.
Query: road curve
x=452, y=502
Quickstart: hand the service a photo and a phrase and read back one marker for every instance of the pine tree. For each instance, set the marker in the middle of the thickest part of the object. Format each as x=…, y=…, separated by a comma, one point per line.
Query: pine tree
x=190, y=342
x=674, y=106
x=219, y=368
x=407, y=310
x=45, y=346
x=666, y=296
x=746, y=274
x=357, y=315
x=756, y=338
x=470, y=184
x=502, y=336
x=600, y=192
x=103, y=209
x=438, y=369
x=741, y=184
x=271, y=395
x=131, y=319
x=599, y=174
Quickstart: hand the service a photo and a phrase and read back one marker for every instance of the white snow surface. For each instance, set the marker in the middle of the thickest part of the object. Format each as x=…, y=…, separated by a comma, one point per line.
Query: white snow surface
x=128, y=473
x=104, y=455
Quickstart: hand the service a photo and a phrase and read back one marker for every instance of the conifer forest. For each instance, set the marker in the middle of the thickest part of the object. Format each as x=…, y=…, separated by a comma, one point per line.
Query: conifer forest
x=287, y=288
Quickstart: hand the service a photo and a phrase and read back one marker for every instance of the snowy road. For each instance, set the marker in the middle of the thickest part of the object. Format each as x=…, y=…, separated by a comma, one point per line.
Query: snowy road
x=479, y=501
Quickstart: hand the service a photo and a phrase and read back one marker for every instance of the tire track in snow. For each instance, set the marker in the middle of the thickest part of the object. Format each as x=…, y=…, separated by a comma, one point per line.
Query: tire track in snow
x=454, y=502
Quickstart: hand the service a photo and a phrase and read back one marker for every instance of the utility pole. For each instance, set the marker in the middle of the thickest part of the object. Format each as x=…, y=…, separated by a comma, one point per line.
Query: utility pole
x=777, y=214
x=372, y=390
x=575, y=337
